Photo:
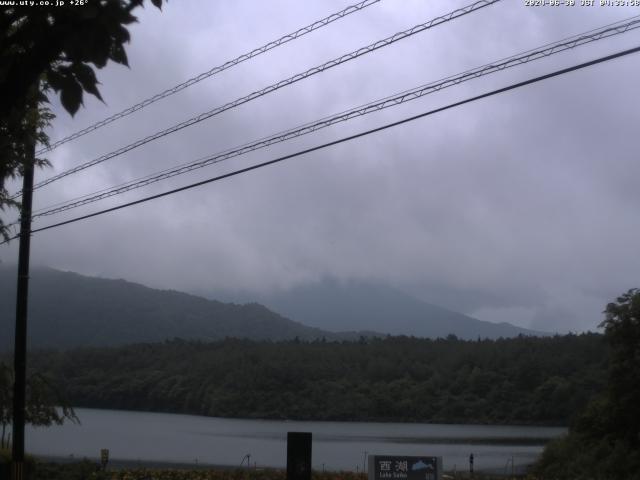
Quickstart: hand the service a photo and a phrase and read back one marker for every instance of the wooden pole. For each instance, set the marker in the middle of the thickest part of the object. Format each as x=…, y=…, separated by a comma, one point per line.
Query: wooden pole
x=20, y=349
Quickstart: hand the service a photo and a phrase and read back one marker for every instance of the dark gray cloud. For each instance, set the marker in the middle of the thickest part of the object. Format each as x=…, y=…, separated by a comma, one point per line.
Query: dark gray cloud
x=519, y=208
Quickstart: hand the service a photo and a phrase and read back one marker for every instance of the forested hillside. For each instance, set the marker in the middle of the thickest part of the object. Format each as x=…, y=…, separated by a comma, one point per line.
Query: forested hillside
x=523, y=380
x=68, y=310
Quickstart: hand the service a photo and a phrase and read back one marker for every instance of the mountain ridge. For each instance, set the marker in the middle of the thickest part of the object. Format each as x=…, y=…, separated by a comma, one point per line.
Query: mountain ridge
x=67, y=309
x=359, y=305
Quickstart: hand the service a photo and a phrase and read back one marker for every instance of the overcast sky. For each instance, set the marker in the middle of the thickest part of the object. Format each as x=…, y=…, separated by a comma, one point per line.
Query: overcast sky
x=522, y=207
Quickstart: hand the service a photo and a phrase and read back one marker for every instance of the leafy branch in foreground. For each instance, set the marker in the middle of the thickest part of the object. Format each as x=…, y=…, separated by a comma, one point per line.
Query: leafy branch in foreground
x=51, y=48
x=45, y=404
x=604, y=440
x=19, y=130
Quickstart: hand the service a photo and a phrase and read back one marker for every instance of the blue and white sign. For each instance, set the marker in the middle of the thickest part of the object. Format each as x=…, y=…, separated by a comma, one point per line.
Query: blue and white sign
x=393, y=467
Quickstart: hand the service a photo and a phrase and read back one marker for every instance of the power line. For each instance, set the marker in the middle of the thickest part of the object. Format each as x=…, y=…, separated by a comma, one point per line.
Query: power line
x=348, y=138
x=276, y=86
x=397, y=99
x=215, y=70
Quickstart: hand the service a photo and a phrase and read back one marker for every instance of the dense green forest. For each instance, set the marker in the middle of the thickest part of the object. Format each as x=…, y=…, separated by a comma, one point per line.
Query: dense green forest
x=604, y=438
x=525, y=380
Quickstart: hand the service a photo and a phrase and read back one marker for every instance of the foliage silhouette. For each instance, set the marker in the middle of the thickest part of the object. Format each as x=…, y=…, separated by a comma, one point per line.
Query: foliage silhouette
x=45, y=404
x=43, y=48
x=604, y=439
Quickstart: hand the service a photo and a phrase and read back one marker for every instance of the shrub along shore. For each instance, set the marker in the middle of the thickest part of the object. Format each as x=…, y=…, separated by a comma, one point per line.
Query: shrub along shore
x=65, y=469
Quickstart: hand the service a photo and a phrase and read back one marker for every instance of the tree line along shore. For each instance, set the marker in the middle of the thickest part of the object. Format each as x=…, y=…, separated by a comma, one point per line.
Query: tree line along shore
x=523, y=380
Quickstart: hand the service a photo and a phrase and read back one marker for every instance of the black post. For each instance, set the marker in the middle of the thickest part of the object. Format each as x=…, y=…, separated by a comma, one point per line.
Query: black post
x=298, y=456
x=20, y=351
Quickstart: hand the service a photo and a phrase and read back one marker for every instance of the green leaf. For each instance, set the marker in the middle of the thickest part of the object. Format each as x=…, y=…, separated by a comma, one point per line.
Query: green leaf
x=135, y=4
x=100, y=49
x=87, y=78
x=55, y=79
x=71, y=96
x=118, y=55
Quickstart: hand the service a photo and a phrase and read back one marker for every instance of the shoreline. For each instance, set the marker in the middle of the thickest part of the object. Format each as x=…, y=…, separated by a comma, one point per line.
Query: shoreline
x=381, y=421
x=128, y=464
x=121, y=463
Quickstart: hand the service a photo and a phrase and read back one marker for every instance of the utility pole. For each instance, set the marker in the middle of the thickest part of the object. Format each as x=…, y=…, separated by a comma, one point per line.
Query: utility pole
x=20, y=349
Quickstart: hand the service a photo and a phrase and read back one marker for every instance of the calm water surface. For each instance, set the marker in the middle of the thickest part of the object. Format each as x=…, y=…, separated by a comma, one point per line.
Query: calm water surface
x=336, y=445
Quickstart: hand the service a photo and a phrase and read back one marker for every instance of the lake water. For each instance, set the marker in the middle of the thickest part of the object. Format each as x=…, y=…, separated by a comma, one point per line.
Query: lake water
x=159, y=437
